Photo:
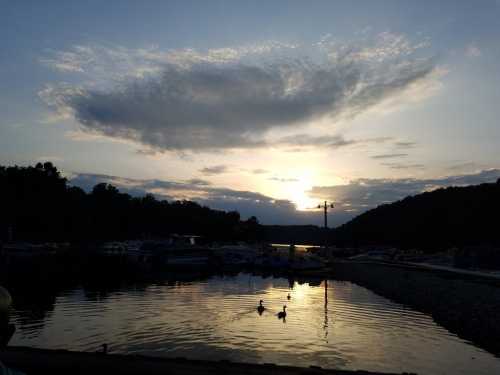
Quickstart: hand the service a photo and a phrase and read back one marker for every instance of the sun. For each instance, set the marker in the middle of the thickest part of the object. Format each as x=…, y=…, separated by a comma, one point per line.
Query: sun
x=303, y=202
x=298, y=194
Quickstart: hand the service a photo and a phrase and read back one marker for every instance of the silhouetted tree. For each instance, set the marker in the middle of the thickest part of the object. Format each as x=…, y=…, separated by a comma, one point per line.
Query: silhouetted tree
x=40, y=206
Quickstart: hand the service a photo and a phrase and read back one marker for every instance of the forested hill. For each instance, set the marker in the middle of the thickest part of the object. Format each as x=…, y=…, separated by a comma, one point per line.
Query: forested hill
x=38, y=205
x=453, y=216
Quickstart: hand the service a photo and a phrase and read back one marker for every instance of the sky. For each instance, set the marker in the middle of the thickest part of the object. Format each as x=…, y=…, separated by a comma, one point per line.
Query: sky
x=268, y=108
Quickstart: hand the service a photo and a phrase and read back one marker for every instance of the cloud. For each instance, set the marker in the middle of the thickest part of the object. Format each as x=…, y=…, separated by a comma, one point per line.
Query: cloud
x=464, y=166
x=260, y=171
x=405, y=144
x=50, y=158
x=389, y=156
x=231, y=97
x=214, y=170
x=472, y=51
x=335, y=141
x=198, y=182
x=404, y=166
x=304, y=142
x=278, y=179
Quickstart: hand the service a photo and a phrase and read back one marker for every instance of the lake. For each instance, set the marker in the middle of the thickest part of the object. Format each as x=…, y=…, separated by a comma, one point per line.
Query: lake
x=333, y=324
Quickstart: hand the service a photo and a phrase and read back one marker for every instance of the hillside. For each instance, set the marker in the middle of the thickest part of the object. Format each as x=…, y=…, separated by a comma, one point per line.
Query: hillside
x=453, y=216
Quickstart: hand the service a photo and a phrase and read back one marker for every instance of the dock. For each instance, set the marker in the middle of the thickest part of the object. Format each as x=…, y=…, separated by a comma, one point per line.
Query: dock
x=43, y=361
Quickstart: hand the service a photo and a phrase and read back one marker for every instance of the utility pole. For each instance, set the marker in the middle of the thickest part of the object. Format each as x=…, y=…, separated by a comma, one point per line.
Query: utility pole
x=325, y=207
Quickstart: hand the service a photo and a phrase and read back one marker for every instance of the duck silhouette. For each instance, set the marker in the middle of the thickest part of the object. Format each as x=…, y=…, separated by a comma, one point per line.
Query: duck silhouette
x=282, y=314
x=260, y=308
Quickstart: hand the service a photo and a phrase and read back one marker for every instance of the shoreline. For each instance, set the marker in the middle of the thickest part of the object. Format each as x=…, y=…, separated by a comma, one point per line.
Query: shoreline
x=45, y=361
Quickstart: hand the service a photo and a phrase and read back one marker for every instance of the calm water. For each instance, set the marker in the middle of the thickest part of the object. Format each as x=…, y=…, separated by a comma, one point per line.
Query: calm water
x=349, y=328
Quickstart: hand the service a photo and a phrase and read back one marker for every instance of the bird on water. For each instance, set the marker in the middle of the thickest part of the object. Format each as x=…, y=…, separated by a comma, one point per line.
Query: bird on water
x=282, y=314
x=261, y=307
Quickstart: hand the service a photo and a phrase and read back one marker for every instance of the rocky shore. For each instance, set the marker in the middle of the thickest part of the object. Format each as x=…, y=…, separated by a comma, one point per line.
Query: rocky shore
x=467, y=306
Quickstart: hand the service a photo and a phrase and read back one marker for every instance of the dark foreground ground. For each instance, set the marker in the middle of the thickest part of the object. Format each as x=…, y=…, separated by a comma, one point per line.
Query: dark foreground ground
x=43, y=361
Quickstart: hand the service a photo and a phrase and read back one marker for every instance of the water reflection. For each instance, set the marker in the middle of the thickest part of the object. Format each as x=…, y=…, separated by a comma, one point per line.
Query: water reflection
x=328, y=323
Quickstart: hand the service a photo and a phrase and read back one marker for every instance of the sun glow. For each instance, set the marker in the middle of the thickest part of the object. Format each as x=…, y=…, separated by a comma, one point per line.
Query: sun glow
x=298, y=193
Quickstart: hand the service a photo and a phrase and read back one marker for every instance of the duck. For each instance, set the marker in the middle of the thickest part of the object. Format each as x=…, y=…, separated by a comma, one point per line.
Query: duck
x=261, y=307
x=282, y=314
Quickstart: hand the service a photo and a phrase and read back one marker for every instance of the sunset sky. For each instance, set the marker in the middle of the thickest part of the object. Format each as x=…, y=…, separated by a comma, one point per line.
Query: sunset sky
x=266, y=107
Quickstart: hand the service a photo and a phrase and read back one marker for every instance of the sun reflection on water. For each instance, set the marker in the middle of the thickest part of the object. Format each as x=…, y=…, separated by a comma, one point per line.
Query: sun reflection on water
x=331, y=324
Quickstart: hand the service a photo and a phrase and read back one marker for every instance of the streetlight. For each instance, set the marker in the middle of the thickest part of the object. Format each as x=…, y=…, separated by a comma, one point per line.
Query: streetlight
x=325, y=207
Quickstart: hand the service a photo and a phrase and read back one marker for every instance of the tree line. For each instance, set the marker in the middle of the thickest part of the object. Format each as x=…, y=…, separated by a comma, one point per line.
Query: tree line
x=38, y=204
x=447, y=217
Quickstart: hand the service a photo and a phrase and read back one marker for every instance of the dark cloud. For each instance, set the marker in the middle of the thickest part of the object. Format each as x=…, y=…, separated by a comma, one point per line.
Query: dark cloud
x=214, y=170
x=389, y=156
x=219, y=104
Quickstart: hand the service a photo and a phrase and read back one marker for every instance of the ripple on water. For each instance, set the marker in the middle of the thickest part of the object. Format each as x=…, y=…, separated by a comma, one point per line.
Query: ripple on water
x=352, y=328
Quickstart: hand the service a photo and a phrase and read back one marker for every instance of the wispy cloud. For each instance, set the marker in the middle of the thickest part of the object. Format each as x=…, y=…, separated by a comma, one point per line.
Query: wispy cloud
x=404, y=165
x=231, y=97
x=214, y=170
x=389, y=156
x=50, y=158
x=405, y=144
x=198, y=182
x=259, y=171
x=281, y=179
x=472, y=51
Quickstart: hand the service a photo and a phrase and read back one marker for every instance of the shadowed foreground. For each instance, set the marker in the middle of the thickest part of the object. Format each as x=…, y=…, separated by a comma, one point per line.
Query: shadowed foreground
x=42, y=361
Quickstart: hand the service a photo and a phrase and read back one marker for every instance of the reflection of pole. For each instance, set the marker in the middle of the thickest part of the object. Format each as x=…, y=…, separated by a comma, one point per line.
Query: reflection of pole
x=325, y=326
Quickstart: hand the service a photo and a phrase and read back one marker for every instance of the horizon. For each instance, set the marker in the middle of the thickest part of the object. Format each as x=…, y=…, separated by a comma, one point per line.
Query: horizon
x=267, y=110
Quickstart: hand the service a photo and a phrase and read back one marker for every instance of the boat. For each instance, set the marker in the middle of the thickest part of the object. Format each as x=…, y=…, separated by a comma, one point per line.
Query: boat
x=176, y=252
x=239, y=255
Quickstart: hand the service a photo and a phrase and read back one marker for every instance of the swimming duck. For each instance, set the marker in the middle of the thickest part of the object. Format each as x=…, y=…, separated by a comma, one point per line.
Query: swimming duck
x=261, y=307
x=282, y=314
